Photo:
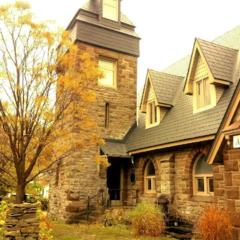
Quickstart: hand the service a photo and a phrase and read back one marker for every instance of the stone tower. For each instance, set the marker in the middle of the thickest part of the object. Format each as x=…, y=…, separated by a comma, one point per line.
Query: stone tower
x=100, y=27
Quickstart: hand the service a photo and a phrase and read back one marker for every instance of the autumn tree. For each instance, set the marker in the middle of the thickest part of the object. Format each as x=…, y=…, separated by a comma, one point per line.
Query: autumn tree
x=35, y=60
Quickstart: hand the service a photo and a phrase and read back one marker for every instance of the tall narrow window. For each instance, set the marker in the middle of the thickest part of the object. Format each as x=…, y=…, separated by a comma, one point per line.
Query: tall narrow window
x=109, y=73
x=202, y=177
x=106, y=115
x=152, y=113
x=149, y=178
x=203, y=92
x=110, y=9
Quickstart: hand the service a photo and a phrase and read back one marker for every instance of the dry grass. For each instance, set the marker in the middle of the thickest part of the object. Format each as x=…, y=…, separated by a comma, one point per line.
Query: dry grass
x=96, y=232
x=214, y=224
x=147, y=220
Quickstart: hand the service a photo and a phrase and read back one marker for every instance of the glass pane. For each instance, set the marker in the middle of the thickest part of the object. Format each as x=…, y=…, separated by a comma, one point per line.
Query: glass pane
x=202, y=166
x=151, y=169
x=108, y=72
x=207, y=99
x=149, y=184
x=210, y=185
x=200, y=184
x=150, y=113
x=110, y=9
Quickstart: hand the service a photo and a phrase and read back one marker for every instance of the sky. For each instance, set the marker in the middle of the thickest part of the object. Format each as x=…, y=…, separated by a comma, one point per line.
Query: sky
x=167, y=27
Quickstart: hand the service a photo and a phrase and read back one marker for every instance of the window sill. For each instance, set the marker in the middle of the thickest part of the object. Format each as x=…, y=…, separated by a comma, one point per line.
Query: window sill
x=202, y=109
x=152, y=125
x=198, y=198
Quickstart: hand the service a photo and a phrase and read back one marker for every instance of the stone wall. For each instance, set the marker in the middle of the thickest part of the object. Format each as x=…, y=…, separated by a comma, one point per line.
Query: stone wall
x=174, y=180
x=78, y=176
x=22, y=222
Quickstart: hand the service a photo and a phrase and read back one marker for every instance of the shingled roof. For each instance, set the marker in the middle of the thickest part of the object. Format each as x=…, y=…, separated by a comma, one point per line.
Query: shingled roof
x=180, y=123
x=114, y=148
x=221, y=60
x=165, y=86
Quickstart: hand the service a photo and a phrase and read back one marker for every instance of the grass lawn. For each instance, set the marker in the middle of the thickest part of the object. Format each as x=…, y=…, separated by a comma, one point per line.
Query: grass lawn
x=96, y=232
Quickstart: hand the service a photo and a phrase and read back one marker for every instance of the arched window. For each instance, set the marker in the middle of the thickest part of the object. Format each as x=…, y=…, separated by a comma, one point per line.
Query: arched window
x=149, y=178
x=202, y=177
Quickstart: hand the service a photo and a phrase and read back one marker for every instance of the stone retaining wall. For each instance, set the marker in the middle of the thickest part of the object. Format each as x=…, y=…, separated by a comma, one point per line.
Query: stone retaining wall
x=22, y=222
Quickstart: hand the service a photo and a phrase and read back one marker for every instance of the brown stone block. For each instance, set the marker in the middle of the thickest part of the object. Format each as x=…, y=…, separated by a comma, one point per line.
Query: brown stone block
x=218, y=176
x=231, y=205
x=231, y=165
x=219, y=192
x=228, y=179
x=235, y=218
x=233, y=192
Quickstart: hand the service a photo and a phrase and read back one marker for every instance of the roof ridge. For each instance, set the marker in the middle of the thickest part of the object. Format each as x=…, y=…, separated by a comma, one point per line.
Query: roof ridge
x=166, y=73
x=217, y=44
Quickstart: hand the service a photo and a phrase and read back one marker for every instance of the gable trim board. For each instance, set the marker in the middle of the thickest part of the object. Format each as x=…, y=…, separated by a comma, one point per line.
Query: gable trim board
x=233, y=105
x=174, y=144
x=219, y=72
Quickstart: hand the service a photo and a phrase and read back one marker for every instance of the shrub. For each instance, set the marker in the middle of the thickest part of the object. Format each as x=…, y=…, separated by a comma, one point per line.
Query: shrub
x=45, y=227
x=147, y=220
x=116, y=217
x=3, y=213
x=214, y=223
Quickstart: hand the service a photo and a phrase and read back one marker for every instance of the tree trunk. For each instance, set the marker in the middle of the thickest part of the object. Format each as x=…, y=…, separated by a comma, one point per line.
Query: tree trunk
x=20, y=193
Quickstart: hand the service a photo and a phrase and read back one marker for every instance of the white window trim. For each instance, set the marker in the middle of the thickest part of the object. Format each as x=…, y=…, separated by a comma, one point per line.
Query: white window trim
x=212, y=93
x=152, y=179
x=205, y=179
x=153, y=124
x=114, y=86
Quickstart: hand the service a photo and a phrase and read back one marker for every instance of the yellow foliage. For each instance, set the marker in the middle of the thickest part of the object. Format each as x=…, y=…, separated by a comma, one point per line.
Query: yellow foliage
x=22, y=5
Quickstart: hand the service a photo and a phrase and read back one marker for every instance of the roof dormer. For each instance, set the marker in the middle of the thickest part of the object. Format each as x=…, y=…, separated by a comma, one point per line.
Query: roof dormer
x=111, y=10
x=158, y=96
x=211, y=70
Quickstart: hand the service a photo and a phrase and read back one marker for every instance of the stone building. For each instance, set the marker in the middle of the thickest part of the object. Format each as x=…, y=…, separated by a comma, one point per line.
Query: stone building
x=184, y=145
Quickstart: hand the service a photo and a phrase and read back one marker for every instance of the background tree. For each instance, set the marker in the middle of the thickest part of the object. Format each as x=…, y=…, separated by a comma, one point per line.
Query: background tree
x=32, y=115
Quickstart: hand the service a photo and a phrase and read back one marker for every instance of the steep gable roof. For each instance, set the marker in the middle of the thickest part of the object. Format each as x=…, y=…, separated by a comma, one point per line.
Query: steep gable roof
x=165, y=86
x=180, y=124
x=220, y=59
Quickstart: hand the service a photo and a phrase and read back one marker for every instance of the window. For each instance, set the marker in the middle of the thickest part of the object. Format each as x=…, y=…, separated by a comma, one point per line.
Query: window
x=149, y=178
x=106, y=115
x=203, y=177
x=152, y=113
x=203, y=93
x=110, y=9
x=109, y=71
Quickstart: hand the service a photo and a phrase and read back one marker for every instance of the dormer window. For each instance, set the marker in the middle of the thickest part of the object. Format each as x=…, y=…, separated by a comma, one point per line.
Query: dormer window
x=110, y=9
x=152, y=114
x=202, y=92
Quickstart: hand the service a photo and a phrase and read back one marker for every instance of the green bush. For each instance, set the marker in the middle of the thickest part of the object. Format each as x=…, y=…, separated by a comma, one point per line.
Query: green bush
x=3, y=213
x=147, y=220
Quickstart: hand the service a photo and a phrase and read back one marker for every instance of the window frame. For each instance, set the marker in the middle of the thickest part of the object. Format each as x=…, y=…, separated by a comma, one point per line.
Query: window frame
x=105, y=15
x=203, y=100
x=114, y=70
x=206, y=182
x=152, y=179
x=153, y=115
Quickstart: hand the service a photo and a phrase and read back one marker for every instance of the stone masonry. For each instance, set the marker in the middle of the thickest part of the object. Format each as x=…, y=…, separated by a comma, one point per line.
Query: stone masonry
x=22, y=222
x=78, y=176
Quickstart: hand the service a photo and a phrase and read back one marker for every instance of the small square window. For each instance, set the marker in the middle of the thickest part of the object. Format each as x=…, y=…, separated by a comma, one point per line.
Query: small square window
x=109, y=71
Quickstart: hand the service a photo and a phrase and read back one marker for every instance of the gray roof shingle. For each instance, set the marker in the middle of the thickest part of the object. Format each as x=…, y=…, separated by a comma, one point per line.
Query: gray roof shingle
x=165, y=86
x=221, y=60
x=114, y=148
x=180, y=123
